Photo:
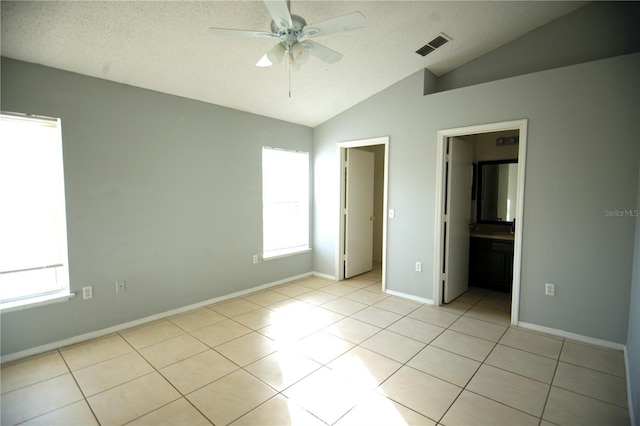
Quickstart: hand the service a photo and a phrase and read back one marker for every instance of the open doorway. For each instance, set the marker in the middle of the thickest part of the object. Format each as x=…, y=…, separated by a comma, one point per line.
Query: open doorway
x=378, y=148
x=452, y=226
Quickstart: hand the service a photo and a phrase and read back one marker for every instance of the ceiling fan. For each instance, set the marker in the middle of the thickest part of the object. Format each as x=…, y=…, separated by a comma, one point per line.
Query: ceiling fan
x=294, y=34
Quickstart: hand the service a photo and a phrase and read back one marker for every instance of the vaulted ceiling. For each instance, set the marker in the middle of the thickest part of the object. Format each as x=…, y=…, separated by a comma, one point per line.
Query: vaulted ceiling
x=164, y=46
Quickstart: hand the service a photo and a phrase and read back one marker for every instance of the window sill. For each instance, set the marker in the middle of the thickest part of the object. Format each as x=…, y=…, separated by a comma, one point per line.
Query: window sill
x=281, y=254
x=32, y=302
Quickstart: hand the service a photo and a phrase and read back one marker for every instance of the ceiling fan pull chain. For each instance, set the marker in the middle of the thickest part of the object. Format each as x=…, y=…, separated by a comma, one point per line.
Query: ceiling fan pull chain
x=289, y=66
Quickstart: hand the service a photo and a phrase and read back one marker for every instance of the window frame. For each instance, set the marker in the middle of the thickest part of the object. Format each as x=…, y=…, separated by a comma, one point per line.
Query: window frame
x=276, y=253
x=61, y=271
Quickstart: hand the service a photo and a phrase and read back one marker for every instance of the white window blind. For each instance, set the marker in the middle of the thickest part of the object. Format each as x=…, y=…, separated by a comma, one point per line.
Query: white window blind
x=285, y=201
x=33, y=236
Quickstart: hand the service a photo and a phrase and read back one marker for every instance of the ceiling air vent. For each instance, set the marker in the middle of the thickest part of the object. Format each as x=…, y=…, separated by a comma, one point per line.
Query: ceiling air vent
x=433, y=45
x=425, y=50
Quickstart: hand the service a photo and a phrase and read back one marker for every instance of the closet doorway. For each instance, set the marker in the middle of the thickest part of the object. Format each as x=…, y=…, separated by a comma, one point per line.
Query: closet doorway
x=350, y=240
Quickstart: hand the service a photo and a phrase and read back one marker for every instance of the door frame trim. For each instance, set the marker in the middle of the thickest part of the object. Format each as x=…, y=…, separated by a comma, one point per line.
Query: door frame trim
x=342, y=149
x=442, y=136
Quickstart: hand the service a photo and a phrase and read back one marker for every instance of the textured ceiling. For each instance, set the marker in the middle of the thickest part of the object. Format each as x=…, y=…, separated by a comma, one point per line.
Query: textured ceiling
x=164, y=46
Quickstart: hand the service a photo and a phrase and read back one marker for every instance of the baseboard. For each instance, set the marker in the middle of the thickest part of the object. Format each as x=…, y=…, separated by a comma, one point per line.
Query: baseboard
x=324, y=276
x=573, y=336
x=632, y=412
x=410, y=297
x=110, y=330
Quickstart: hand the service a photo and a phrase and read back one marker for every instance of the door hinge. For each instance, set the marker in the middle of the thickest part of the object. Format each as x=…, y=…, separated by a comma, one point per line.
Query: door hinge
x=344, y=211
x=446, y=218
x=447, y=157
x=444, y=276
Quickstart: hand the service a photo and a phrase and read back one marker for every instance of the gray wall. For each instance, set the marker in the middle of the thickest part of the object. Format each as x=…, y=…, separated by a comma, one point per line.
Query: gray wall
x=596, y=31
x=582, y=159
x=633, y=336
x=162, y=192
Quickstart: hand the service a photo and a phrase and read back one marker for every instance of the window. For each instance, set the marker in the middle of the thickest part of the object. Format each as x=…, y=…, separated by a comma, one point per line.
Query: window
x=33, y=235
x=285, y=202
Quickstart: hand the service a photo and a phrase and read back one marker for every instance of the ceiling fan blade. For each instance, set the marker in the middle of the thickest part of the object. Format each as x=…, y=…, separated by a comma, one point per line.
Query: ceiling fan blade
x=279, y=11
x=321, y=52
x=241, y=33
x=348, y=22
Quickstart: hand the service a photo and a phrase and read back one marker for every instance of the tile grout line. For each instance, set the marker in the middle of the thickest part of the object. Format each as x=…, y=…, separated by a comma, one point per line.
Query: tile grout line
x=325, y=364
x=464, y=388
x=137, y=350
x=405, y=364
x=555, y=370
x=239, y=367
x=385, y=328
x=358, y=345
x=157, y=370
x=477, y=369
x=573, y=391
x=84, y=396
x=321, y=365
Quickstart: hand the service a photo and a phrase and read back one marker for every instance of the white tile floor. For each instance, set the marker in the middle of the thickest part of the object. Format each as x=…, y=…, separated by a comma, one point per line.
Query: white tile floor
x=316, y=352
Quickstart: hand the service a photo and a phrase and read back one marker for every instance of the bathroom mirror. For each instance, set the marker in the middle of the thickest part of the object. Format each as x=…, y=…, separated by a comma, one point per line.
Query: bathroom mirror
x=497, y=188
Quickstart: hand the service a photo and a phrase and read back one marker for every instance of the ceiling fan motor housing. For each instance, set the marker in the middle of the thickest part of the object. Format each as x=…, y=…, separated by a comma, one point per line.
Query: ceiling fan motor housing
x=289, y=36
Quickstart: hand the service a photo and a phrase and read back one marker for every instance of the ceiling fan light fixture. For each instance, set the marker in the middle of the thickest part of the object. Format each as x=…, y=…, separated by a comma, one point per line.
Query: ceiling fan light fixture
x=299, y=53
x=264, y=62
x=295, y=65
x=276, y=53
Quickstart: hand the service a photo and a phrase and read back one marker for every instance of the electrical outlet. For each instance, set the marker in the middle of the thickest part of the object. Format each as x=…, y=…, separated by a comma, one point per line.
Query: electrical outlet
x=87, y=292
x=255, y=258
x=549, y=289
x=418, y=266
x=120, y=286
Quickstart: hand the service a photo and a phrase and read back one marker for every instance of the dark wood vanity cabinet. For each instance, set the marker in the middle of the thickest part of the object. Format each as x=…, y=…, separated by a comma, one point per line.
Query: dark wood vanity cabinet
x=491, y=263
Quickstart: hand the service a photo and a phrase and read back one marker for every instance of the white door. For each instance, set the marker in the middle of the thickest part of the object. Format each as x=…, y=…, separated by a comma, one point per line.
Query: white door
x=359, y=218
x=458, y=218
